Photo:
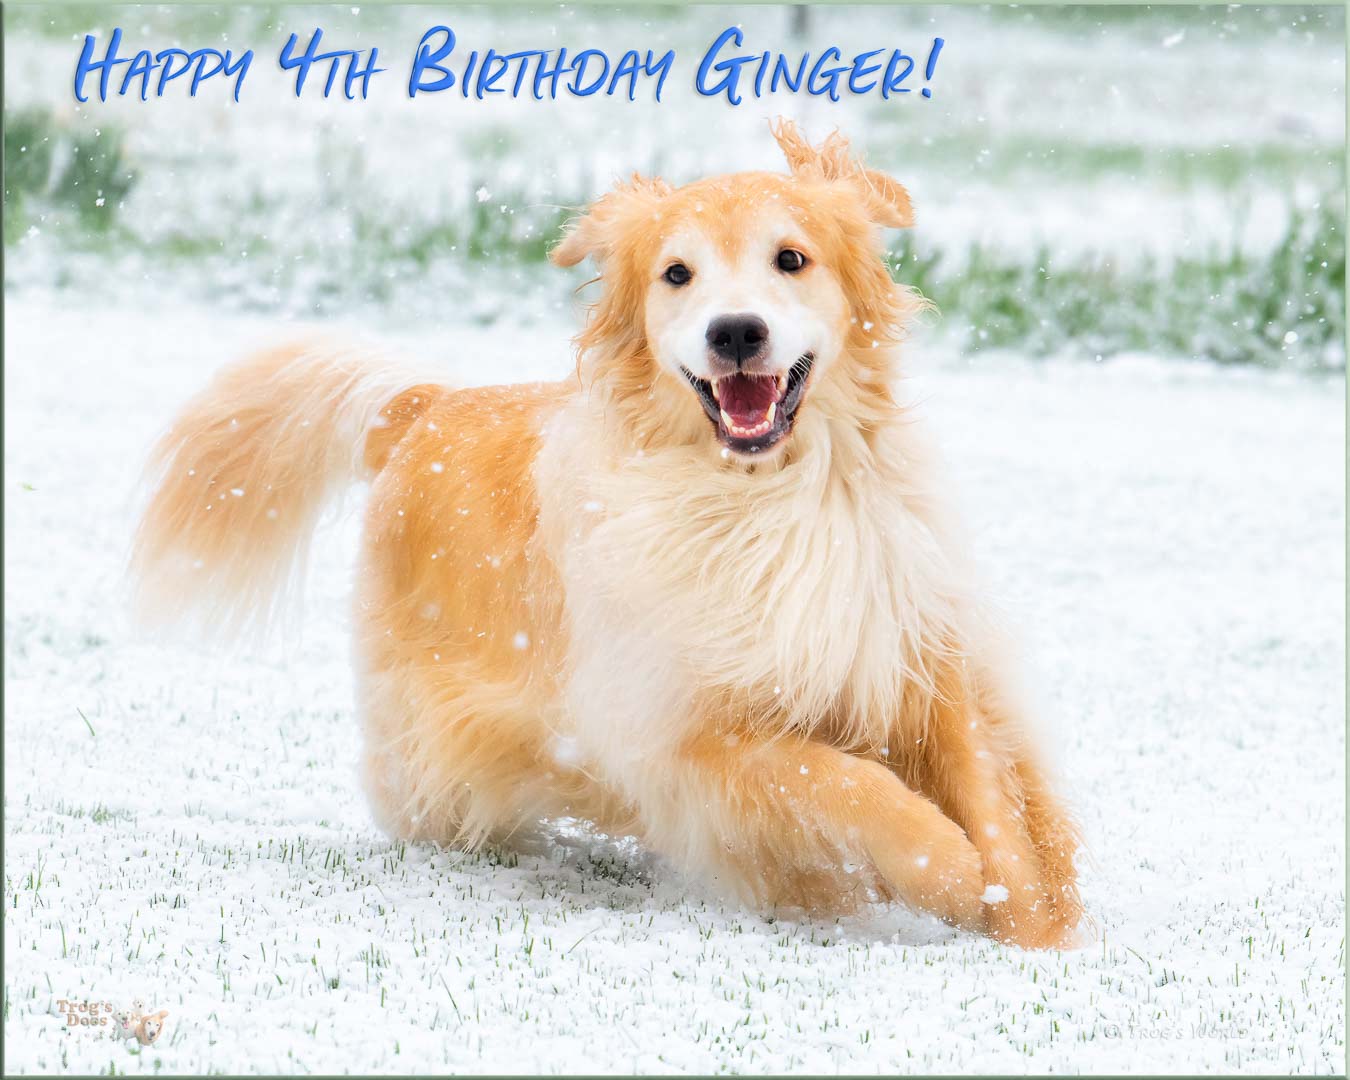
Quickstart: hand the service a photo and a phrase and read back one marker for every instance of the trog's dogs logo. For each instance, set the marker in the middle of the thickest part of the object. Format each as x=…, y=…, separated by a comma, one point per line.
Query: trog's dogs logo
x=105, y=1017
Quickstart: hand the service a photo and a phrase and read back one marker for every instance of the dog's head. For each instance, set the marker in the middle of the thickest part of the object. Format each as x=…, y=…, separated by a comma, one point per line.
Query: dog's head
x=151, y=1027
x=726, y=303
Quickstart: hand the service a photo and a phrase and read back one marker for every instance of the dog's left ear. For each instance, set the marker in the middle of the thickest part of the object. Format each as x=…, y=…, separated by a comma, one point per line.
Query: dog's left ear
x=886, y=199
x=595, y=232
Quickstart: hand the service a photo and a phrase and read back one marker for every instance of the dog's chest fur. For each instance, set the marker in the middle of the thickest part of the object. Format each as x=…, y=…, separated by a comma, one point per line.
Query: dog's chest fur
x=800, y=597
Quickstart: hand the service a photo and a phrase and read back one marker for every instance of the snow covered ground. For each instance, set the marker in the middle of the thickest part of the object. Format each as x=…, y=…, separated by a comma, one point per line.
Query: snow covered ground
x=186, y=828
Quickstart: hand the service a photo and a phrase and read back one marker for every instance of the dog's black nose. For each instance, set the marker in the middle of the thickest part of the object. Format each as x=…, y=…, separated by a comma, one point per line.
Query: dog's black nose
x=737, y=337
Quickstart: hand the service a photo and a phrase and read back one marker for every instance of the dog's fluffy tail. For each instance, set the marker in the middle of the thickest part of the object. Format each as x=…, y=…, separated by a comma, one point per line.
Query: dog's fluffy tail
x=237, y=484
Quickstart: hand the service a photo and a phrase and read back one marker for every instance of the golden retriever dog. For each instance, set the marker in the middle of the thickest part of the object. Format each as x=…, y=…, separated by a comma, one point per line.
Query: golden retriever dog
x=705, y=593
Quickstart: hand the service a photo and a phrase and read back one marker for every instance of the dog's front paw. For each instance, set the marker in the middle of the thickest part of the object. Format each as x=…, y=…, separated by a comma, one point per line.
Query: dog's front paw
x=939, y=871
x=1028, y=910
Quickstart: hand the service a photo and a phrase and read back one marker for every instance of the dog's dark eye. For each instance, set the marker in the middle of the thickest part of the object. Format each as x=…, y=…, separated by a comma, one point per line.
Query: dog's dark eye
x=677, y=274
x=790, y=260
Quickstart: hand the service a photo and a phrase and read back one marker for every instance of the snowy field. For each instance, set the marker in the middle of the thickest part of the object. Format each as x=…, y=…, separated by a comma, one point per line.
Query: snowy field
x=186, y=828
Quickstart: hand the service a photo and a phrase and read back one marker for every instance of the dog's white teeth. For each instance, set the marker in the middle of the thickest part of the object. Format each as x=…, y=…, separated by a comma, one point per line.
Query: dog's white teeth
x=717, y=395
x=782, y=388
x=754, y=430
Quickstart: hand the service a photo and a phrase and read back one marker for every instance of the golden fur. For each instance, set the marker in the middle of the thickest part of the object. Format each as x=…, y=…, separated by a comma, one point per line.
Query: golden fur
x=574, y=601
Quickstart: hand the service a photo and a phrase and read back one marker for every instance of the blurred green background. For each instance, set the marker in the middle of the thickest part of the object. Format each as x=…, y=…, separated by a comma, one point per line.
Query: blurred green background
x=1089, y=181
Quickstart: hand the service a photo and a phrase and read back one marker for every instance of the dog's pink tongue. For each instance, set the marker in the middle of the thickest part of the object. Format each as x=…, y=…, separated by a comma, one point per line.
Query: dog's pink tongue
x=746, y=398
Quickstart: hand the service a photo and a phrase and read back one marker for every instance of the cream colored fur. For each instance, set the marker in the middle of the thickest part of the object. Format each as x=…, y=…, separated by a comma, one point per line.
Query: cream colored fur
x=240, y=480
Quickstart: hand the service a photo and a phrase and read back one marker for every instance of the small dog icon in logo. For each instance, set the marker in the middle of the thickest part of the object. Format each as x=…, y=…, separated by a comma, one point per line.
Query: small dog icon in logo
x=136, y=1023
x=151, y=1027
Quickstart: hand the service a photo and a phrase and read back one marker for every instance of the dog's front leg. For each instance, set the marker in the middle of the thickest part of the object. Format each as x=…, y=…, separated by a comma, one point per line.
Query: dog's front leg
x=797, y=822
x=975, y=762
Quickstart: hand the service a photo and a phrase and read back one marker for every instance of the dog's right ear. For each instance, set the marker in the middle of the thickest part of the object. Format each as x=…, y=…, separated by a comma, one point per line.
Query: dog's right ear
x=596, y=232
x=580, y=238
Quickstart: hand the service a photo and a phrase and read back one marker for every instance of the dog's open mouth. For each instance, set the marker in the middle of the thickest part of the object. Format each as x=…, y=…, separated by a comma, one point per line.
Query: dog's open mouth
x=753, y=412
